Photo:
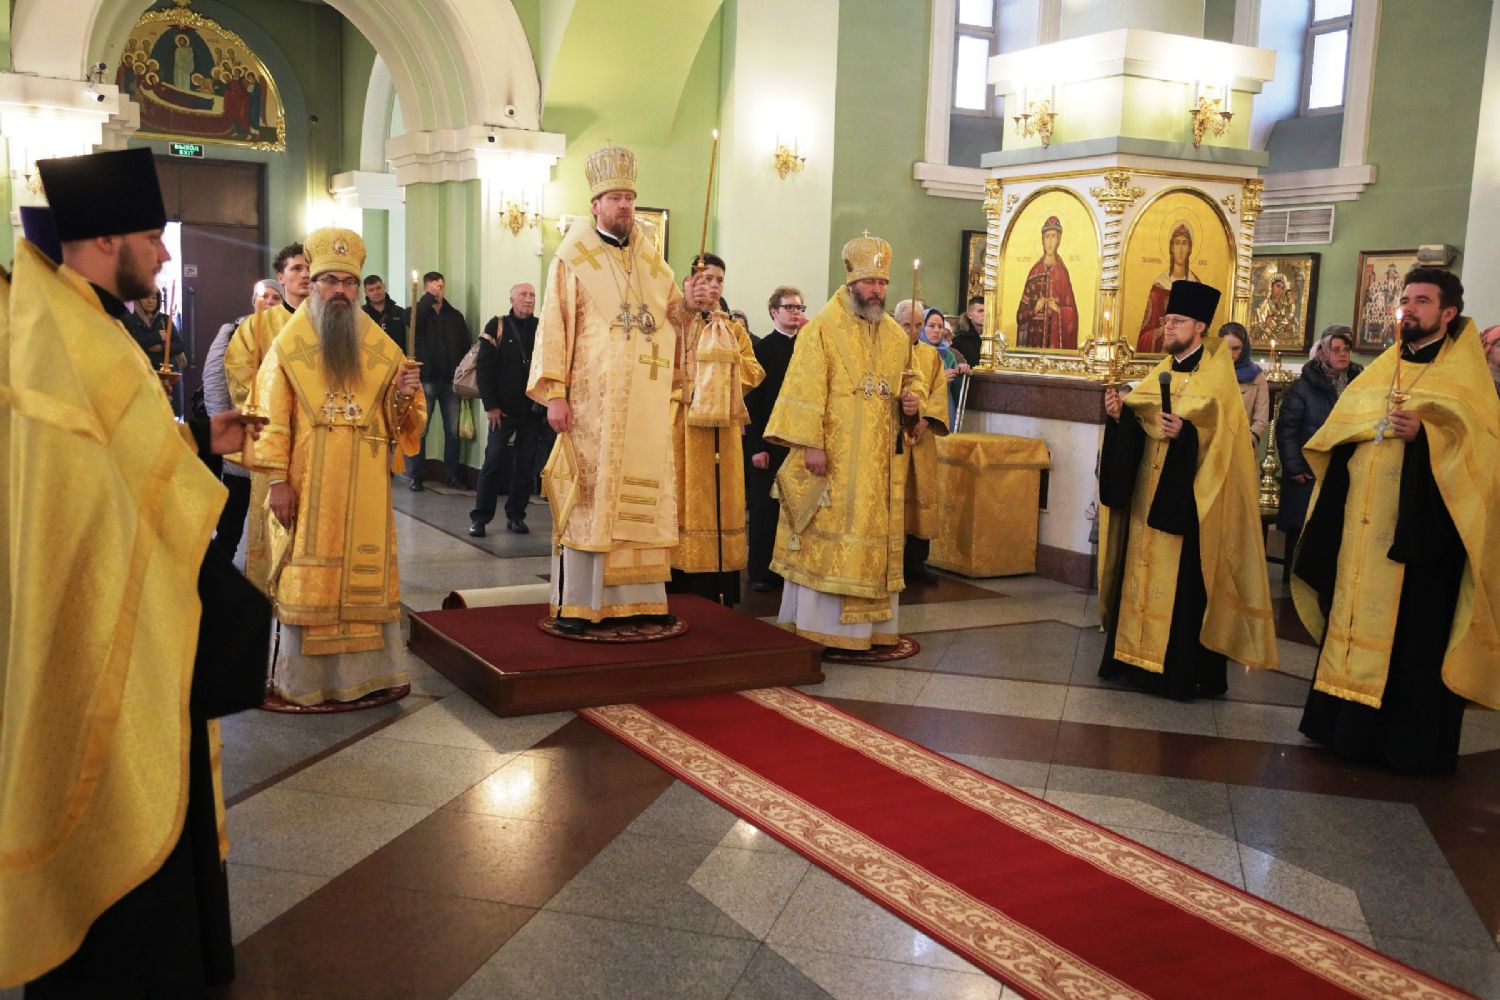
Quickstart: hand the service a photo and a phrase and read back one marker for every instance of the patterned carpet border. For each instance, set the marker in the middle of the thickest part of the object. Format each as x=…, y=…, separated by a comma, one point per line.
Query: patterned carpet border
x=1260, y=948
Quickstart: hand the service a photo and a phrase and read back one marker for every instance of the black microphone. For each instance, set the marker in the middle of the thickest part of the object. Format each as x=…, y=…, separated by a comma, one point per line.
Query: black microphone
x=1165, y=378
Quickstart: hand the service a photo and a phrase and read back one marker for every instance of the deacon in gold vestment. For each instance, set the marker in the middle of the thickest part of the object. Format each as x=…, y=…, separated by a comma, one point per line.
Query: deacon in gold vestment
x=111, y=863
x=719, y=366
x=1396, y=570
x=605, y=367
x=842, y=487
x=1182, y=576
x=242, y=357
x=923, y=477
x=343, y=412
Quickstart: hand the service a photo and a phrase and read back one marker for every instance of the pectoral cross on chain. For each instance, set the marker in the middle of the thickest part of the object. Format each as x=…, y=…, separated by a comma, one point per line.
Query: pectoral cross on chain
x=638, y=316
x=655, y=360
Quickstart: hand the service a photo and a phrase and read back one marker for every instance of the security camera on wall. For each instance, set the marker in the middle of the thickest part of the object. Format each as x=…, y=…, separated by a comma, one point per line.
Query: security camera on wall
x=511, y=112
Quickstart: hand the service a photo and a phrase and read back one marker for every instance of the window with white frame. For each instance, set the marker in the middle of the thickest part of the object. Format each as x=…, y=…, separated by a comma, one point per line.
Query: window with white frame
x=1325, y=57
x=975, y=40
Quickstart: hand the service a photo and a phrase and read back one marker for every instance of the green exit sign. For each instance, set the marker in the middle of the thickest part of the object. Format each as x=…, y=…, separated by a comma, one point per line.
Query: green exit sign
x=194, y=149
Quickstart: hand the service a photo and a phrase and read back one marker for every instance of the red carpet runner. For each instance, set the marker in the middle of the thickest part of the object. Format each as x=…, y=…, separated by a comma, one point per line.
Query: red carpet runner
x=1050, y=904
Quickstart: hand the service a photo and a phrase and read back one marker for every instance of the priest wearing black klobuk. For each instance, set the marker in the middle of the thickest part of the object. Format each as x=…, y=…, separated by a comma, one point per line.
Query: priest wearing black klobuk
x=1396, y=570
x=126, y=633
x=1182, y=571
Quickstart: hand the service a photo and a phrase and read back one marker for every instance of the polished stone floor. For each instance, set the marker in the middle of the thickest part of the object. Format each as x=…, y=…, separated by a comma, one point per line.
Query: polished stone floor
x=428, y=849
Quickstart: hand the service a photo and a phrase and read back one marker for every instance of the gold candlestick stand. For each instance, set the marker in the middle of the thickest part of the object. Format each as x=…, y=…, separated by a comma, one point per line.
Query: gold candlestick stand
x=1278, y=380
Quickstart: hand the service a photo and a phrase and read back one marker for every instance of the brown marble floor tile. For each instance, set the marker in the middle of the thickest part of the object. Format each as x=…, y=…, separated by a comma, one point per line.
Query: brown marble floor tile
x=356, y=938
x=496, y=858
x=1288, y=625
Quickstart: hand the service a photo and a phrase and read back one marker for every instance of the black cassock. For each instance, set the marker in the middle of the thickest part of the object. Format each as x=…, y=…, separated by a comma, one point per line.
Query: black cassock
x=1189, y=668
x=1416, y=728
x=170, y=935
x=774, y=352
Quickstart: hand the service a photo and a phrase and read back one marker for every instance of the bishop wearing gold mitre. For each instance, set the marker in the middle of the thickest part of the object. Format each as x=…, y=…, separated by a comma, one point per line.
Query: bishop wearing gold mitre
x=1182, y=564
x=1396, y=570
x=842, y=487
x=923, y=480
x=344, y=410
x=242, y=357
x=126, y=634
x=605, y=367
x=719, y=366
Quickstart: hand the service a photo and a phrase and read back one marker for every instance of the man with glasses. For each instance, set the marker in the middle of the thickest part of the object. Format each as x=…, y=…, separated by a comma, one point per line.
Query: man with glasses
x=343, y=409
x=242, y=358
x=1183, y=579
x=774, y=352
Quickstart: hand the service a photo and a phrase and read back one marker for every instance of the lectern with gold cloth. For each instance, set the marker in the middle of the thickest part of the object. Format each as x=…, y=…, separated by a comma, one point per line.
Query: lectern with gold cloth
x=992, y=490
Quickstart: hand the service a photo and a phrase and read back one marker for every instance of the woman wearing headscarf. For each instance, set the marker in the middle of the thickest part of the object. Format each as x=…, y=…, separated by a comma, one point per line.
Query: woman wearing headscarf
x=1252, y=380
x=1306, y=406
x=936, y=332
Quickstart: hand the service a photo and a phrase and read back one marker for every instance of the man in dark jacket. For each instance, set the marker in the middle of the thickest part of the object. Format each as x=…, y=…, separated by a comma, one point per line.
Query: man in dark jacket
x=442, y=341
x=774, y=352
x=384, y=311
x=502, y=369
x=966, y=336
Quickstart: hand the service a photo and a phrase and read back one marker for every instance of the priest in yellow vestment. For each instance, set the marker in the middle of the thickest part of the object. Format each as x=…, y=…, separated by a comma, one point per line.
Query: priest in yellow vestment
x=344, y=410
x=242, y=357
x=841, y=532
x=1396, y=568
x=923, y=478
x=719, y=367
x=605, y=366
x=111, y=876
x=1182, y=574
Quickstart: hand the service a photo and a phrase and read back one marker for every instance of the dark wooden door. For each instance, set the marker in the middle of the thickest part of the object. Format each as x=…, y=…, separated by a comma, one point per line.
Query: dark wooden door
x=221, y=206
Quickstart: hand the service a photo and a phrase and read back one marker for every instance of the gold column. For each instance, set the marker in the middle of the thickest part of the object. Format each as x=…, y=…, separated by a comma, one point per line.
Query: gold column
x=991, y=344
x=1245, y=246
x=1106, y=349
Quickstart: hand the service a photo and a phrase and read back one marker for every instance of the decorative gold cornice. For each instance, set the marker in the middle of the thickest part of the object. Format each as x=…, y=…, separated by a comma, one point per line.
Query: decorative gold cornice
x=1250, y=198
x=992, y=188
x=1228, y=202
x=1118, y=194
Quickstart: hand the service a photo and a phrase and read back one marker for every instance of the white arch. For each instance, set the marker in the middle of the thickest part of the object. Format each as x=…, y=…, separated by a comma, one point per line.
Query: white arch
x=380, y=97
x=474, y=84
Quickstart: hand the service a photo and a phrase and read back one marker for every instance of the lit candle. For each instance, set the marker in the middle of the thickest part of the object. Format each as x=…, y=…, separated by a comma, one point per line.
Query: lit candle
x=916, y=266
x=411, y=318
x=713, y=153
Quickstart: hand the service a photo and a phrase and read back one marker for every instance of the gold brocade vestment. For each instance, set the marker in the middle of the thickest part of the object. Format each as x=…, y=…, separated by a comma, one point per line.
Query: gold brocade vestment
x=699, y=532
x=336, y=449
x=594, y=349
x=242, y=357
x=1455, y=399
x=924, y=480
x=98, y=661
x=843, y=533
x=1237, y=621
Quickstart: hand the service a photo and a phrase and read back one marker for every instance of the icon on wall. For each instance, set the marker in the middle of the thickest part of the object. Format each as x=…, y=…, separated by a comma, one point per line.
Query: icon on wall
x=1283, y=299
x=195, y=79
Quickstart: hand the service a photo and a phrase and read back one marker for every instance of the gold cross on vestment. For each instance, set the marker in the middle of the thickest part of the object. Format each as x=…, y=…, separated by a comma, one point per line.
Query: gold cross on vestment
x=374, y=354
x=655, y=360
x=305, y=354
x=586, y=256
x=655, y=261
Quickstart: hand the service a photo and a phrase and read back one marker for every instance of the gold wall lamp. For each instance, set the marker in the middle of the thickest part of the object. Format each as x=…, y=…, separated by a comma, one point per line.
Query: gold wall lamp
x=1036, y=120
x=1211, y=115
x=788, y=161
x=515, y=217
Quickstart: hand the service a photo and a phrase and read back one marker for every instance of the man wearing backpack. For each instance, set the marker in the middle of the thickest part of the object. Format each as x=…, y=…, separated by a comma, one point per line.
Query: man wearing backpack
x=503, y=366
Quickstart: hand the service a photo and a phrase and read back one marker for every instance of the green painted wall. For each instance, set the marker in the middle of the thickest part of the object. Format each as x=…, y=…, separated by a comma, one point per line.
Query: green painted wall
x=671, y=147
x=1218, y=20
x=878, y=135
x=1425, y=160
x=4, y=35
x=530, y=13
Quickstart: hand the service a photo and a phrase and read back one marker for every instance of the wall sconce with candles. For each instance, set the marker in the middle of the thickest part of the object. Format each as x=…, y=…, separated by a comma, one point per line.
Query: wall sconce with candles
x=788, y=161
x=516, y=217
x=1211, y=114
x=1037, y=119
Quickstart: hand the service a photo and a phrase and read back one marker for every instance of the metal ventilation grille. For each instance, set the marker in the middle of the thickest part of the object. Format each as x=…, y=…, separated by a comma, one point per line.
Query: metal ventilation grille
x=1297, y=225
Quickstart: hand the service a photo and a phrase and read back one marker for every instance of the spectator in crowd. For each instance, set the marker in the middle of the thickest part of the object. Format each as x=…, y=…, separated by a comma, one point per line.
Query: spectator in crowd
x=1307, y=404
x=774, y=352
x=384, y=311
x=936, y=332
x=442, y=341
x=970, y=328
x=502, y=370
x=267, y=294
x=1490, y=340
x=1252, y=379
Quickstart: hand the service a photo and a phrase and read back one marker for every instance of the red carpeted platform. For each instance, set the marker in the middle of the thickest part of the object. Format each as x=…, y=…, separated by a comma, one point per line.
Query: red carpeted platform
x=502, y=660
x=1049, y=903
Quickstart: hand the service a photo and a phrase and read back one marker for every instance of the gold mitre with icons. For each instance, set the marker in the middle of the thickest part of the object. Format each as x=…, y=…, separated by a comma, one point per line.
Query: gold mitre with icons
x=867, y=257
x=610, y=168
x=334, y=249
